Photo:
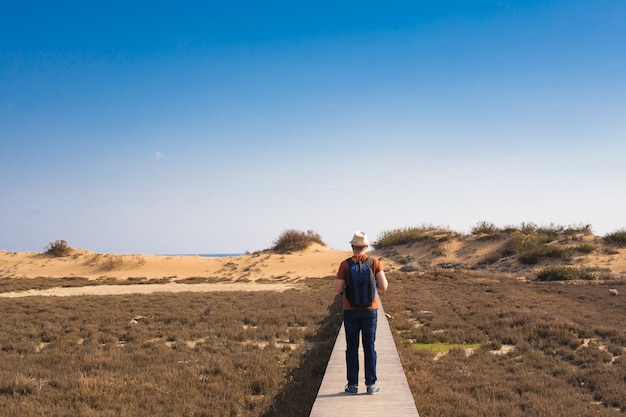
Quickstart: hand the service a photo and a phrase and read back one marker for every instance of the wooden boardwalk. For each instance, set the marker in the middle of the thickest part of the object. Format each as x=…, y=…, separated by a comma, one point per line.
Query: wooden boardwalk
x=394, y=400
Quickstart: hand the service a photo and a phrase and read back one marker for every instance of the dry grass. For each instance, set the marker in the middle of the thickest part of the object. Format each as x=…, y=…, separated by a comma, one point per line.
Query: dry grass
x=210, y=354
x=471, y=343
x=58, y=248
x=565, y=345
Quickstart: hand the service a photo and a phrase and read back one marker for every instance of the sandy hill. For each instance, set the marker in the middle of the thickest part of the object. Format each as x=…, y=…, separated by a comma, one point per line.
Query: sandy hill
x=317, y=261
x=515, y=255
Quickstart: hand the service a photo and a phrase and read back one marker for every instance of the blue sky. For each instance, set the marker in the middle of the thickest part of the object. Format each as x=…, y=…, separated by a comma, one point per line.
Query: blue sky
x=203, y=127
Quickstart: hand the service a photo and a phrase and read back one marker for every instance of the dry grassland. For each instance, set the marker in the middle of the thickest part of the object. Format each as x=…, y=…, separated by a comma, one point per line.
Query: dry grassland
x=478, y=334
x=186, y=354
x=471, y=343
x=515, y=347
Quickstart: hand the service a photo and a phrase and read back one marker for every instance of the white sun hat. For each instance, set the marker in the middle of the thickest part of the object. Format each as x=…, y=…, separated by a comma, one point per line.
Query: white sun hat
x=359, y=239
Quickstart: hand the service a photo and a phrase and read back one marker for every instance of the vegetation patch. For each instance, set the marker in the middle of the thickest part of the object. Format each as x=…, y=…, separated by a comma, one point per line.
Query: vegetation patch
x=292, y=240
x=564, y=273
x=444, y=347
x=528, y=242
x=617, y=238
x=58, y=248
x=569, y=344
x=183, y=354
x=486, y=230
x=409, y=235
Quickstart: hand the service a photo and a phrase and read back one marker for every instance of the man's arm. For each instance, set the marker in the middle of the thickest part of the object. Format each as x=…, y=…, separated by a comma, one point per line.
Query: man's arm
x=381, y=281
x=340, y=284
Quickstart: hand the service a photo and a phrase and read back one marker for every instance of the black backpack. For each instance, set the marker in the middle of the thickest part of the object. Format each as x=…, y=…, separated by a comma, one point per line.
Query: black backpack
x=361, y=283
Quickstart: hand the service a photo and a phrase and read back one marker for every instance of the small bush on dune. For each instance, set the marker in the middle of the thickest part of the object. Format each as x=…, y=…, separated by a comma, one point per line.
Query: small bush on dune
x=112, y=261
x=409, y=235
x=292, y=240
x=58, y=248
x=617, y=238
x=585, y=248
x=485, y=228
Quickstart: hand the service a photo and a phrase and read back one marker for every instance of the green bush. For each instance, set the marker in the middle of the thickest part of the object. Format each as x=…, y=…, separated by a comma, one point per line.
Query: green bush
x=292, y=240
x=617, y=238
x=58, y=248
x=563, y=273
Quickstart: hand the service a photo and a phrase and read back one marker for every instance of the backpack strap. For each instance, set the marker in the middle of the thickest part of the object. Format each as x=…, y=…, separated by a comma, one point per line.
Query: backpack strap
x=369, y=261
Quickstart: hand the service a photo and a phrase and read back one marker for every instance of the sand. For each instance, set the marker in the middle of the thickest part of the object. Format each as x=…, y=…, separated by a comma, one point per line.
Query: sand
x=250, y=272
x=278, y=272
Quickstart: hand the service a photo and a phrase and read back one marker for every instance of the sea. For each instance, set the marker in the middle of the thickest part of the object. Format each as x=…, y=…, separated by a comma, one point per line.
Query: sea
x=205, y=255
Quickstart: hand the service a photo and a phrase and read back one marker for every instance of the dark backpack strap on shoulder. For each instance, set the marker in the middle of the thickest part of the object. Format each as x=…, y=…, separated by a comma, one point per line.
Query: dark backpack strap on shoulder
x=350, y=261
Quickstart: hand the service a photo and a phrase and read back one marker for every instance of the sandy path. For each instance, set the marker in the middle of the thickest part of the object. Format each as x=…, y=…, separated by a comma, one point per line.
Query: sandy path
x=171, y=287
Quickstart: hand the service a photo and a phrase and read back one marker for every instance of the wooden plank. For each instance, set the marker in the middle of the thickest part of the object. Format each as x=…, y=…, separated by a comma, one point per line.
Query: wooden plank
x=395, y=398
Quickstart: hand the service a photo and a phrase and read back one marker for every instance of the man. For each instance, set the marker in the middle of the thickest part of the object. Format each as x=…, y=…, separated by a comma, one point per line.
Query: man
x=360, y=321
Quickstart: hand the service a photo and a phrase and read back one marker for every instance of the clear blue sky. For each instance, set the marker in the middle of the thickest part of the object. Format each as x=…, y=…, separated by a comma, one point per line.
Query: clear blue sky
x=199, y=127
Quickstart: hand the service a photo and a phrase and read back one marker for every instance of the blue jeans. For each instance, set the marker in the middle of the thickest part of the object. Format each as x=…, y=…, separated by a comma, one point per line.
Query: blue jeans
x=363, y=322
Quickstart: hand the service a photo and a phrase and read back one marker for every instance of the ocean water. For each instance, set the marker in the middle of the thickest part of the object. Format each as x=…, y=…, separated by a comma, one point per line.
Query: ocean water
x=205, y=255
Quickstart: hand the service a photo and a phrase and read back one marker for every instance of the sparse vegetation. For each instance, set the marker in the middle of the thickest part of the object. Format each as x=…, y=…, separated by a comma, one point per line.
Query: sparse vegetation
x=58, y=248
x=472, y=343
x=292, y=240
x=439, y=347
x=486, y=229
x=563, y=273
x=531, y=249
x=617, y=238
x=112, y=261
x=545, y=348
x=410, y=235
x=184, y=354
x=585, y=248
x=528, y=242
x=187, y=354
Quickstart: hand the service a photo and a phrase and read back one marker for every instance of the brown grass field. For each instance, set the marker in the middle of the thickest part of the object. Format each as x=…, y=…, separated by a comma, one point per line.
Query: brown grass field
x=188, y=354
x=478, y=334
x=264, y=353
x=537, y=348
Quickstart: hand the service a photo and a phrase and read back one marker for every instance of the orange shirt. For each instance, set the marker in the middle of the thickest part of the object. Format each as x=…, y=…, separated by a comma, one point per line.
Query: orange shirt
x=342, y=274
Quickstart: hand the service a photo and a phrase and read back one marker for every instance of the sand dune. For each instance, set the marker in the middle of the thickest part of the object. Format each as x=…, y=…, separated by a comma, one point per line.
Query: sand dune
x=317, y=261
x=271, y=271
x=257, y=271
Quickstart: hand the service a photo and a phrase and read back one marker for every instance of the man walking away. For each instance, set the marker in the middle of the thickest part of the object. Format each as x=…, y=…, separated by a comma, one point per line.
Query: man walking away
x=358, y=278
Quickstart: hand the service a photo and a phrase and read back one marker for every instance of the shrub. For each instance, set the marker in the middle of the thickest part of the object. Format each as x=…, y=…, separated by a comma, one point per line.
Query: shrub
x=563, y=273
x=404, y=236
x=551, y=230
x=295, y=240
x=617, y=238
x=112, y=261
x=529, y=257
x=58, y=248
x=531, y=249
x=582, y=228
x=528, y=228
x=585, y=248
x=485, y=228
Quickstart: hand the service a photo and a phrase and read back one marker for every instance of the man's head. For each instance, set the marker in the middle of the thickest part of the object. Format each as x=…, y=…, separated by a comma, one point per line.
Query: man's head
x=359, y=242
